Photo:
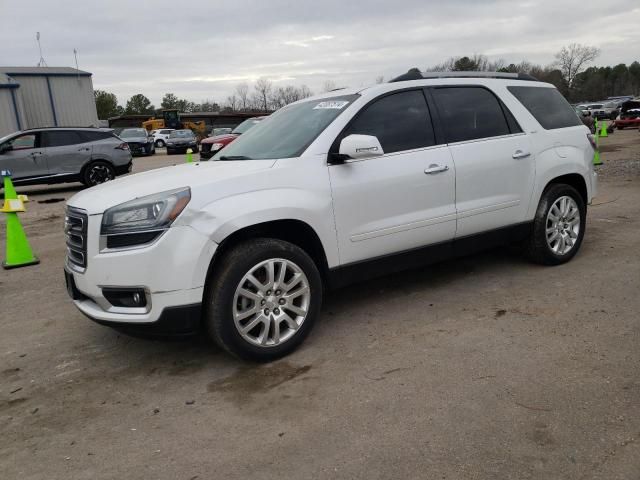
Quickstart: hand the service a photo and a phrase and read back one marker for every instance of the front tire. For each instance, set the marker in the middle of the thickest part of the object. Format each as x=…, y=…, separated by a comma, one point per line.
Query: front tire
x=263, y=299
x=159, y=143
x=558, y=227
x=98, y=172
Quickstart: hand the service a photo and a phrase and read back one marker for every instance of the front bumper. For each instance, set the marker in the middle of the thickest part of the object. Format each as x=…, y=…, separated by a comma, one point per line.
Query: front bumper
x=171, y=271
x=181, y=147
x=628, y=122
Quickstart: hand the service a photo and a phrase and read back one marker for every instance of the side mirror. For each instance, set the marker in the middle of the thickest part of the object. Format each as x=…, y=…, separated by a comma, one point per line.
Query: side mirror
x=5, y=147
x=360, y=146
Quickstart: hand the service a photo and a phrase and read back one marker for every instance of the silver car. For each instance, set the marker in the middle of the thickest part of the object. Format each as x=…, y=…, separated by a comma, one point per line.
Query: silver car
x=56, y=155
x=140, y=141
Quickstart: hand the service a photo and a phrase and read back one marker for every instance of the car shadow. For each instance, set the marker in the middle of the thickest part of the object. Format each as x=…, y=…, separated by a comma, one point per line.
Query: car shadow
x=337, y=305
x=38, y=190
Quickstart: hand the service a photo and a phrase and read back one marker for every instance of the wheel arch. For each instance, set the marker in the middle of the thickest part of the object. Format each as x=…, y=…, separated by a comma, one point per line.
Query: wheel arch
x=574, y=180
x=290, y=230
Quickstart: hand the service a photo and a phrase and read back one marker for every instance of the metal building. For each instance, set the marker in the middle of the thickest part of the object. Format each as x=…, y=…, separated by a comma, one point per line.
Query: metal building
x=33, y=97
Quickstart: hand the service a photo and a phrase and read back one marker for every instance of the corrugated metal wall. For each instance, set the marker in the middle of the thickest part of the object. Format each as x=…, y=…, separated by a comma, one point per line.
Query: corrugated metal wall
x=35, y=97
x=74, y=101
x=8, y=123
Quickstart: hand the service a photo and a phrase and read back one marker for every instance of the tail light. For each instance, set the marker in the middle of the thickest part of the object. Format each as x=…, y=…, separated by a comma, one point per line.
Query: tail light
x=123, y=146
x=592, y=141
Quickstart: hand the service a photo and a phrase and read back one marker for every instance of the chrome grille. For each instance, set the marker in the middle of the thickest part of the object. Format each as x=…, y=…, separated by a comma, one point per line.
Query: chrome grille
x=75, y=229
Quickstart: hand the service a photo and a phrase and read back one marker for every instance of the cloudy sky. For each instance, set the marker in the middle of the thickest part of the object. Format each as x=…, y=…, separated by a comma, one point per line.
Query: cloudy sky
x=201, y=49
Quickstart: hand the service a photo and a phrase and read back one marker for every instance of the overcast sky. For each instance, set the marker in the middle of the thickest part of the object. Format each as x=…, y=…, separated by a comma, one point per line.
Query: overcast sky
x=201, y=49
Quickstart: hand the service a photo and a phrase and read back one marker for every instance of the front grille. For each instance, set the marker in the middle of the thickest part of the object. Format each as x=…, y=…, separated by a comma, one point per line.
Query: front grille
x=75, y=229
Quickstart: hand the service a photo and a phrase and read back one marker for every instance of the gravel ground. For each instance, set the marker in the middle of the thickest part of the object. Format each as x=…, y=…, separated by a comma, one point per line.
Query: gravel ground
x=481, y=368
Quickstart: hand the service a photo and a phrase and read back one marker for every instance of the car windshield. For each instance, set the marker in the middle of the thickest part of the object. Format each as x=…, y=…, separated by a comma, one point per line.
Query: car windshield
x=288, y=132
x=246, y=125
x=181, y=134
x=133, y=132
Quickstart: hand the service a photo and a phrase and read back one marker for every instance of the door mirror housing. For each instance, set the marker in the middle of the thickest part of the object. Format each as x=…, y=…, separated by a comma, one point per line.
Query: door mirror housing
x=360, y=146
x=5, y=147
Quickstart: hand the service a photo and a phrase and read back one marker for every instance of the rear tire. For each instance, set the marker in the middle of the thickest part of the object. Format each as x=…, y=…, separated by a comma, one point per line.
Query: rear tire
x=558, y=227
x=159, y=143
x=98, y=172
x=257, y=315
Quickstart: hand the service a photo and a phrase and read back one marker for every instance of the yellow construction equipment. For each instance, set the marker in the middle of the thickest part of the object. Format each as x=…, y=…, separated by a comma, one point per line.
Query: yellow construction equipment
x=171, y=119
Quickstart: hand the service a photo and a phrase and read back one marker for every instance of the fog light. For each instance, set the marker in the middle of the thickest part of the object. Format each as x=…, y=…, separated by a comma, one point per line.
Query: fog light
x=125, y=297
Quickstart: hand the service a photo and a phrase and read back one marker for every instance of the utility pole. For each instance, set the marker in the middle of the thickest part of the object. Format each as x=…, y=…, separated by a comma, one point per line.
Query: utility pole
x=41, y=63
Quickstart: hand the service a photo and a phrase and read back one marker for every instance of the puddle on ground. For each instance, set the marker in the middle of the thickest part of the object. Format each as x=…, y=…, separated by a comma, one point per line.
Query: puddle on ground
x=51, y=200
x=251, y=379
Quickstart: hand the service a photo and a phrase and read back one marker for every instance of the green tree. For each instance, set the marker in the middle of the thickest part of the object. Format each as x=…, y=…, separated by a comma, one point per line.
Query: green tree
x=106, y=104
x=464, y=64
x=139, y=104
x=169, y=101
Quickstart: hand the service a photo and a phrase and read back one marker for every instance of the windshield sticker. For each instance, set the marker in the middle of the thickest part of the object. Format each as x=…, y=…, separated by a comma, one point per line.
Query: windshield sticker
x=334, y=104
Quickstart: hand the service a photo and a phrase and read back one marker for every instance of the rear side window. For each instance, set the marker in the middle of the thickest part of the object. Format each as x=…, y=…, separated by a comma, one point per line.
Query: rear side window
x=61, y=138
x=470, y=113
x=547, y=105
x=400, y=121
x=94, y=136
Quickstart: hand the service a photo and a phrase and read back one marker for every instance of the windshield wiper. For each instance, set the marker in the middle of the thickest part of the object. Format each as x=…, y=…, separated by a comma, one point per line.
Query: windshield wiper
x=233, y=157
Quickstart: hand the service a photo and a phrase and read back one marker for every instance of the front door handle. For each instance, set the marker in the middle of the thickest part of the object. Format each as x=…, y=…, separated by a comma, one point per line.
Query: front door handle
x=435, y=168
x=520, y=154
x=35, y=154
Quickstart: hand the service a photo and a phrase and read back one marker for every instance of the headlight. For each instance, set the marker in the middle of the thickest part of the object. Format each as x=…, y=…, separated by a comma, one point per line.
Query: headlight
x=142, y=220
x=216, y=146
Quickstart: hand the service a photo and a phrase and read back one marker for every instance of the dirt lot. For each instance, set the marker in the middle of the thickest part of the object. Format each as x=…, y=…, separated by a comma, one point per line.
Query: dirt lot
x=486, y=367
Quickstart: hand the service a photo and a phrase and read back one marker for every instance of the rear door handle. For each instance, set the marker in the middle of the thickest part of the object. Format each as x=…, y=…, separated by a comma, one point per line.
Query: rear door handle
x=520, y=154
x=435, y=168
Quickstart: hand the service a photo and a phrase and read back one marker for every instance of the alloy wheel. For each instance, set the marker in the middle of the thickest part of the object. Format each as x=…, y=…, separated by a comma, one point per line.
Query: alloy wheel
x=563, y=225
x=100, y=174
x=271, y=302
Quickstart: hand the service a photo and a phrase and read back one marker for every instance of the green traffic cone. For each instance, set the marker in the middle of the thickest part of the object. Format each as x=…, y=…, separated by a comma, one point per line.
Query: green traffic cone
x=189, y=155
x=603, y=130
x=19, y=252
x=596, y=158
x=9, y=191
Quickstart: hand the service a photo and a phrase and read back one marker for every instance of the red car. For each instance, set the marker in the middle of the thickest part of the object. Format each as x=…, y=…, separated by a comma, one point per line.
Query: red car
x=629, y=115
x=212, y=145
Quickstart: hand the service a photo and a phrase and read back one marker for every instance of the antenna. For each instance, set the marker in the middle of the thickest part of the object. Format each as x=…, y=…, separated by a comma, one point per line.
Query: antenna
x=41, y=63
x=75, y=54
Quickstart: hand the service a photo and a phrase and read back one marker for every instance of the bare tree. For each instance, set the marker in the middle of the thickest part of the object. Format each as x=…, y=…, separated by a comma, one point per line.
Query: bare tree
x=573, y=58
x=263, y=88
x=242, y=91
x=328, y=85
x=231, y=103
x=305, y=92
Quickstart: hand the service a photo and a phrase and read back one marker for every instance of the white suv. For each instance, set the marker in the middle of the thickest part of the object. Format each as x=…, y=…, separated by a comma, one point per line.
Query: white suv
x=344, y=186
x=161, y=136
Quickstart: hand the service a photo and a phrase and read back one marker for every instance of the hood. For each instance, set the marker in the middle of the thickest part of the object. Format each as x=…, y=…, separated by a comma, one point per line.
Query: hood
x=135, y=139
x=97, y=199
x=226, y=138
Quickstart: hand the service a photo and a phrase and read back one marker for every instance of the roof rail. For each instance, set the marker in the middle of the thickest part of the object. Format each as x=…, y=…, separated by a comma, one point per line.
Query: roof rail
x=414, y=74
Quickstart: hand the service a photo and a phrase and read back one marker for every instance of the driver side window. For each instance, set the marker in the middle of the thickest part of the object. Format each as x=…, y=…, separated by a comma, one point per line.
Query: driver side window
x=400, y=121
x=24, y=142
